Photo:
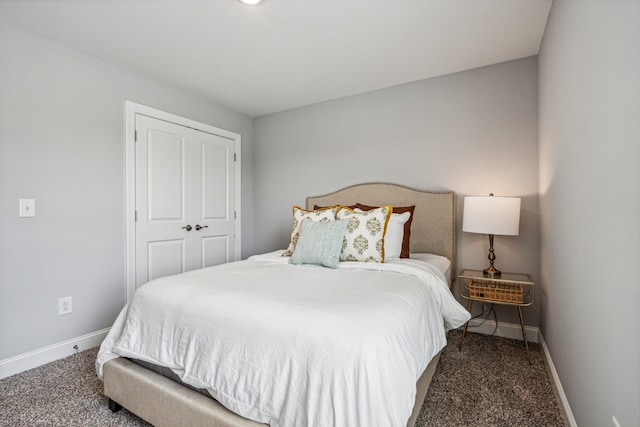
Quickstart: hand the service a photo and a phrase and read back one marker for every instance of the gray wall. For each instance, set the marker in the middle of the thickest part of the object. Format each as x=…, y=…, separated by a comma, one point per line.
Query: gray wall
x=473, y=132
x=62, y=143
x=590, y=205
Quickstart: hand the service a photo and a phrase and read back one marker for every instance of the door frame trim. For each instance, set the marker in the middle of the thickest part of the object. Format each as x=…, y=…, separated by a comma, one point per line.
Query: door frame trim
x=131, y=109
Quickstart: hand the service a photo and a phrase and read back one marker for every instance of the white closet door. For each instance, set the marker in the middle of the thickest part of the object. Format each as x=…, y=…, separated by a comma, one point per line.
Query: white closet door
x=184, y=199
x=215, y=213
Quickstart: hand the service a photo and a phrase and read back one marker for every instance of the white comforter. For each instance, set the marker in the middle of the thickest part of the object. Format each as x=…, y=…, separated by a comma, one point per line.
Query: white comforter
x=294, y=345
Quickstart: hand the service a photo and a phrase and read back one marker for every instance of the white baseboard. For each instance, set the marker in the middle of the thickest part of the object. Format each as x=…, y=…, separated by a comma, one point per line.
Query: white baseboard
x=41, y=356
x=556, y=380
x=505, y=330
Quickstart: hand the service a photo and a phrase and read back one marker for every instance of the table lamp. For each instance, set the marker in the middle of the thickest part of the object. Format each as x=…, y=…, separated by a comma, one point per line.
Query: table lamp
x=491, y=215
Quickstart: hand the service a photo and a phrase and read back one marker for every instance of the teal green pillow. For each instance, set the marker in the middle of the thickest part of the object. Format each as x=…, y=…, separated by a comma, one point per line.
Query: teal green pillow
x=320, y=243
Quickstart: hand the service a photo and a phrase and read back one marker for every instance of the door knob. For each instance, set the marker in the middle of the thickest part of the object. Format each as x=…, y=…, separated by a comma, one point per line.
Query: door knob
x=198, y=226
x=187, y=227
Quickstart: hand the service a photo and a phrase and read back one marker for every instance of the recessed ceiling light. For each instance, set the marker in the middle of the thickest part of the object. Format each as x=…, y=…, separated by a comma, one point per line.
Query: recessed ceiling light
x=250, y=2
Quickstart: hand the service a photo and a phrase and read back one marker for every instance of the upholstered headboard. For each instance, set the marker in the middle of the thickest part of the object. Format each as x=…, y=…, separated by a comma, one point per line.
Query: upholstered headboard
x=433, y=229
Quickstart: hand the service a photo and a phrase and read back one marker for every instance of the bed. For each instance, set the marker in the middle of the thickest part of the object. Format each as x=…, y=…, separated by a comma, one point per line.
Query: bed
x=303, y=375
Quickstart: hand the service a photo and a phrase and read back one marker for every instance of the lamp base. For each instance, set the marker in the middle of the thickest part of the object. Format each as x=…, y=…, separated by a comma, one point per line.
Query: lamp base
x=492, y=272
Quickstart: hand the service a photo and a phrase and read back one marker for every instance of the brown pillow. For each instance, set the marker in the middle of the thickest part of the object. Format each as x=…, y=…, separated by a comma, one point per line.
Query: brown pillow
x=407, y=225
x=316, y=207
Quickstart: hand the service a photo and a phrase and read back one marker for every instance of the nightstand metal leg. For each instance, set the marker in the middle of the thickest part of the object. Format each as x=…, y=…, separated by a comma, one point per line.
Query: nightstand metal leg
x=524, y=334
x=464, y=331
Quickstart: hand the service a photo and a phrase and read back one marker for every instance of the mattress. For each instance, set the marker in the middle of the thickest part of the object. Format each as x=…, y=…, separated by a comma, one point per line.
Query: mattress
x=361, y=334
x=440, y=262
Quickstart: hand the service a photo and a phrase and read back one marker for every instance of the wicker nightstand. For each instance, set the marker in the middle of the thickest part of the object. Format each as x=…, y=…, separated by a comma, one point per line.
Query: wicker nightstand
x=509, y=289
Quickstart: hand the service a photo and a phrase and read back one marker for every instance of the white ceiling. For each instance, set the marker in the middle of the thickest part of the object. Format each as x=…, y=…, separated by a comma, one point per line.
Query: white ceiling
x=285, y=54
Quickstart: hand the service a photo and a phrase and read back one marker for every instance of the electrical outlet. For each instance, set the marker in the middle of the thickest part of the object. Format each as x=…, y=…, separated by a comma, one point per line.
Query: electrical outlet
x=65, y=306
x=27, y=208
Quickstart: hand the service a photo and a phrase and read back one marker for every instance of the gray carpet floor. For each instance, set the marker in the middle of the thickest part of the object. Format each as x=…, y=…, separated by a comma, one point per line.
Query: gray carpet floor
x=487, y=383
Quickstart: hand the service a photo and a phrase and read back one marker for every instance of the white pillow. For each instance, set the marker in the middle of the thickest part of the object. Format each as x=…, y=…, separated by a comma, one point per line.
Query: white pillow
x=394, y=236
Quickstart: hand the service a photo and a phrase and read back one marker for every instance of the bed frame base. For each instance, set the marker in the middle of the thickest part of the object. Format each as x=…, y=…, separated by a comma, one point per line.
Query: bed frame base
x=114, y=406
x=163, y=402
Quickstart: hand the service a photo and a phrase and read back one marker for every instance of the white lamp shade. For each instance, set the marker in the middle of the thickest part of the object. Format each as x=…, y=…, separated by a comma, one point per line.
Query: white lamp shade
x=491, y=215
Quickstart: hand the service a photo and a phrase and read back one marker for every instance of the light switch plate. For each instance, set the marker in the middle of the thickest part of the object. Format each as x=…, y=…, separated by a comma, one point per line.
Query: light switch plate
x=27, y=208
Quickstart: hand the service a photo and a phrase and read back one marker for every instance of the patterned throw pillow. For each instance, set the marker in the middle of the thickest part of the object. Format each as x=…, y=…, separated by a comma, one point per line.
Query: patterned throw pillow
x=320, y=243
x=364, y=238
x=326, y=214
